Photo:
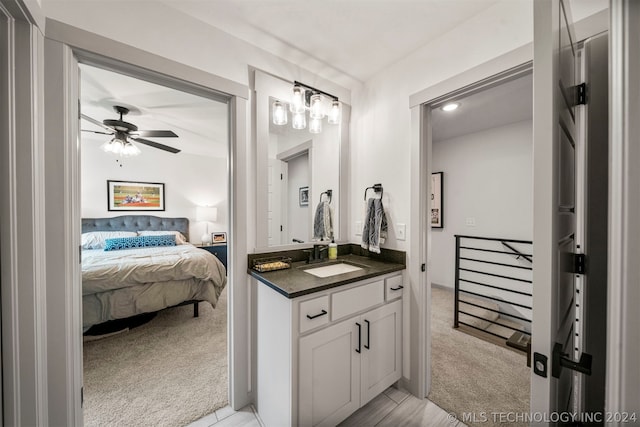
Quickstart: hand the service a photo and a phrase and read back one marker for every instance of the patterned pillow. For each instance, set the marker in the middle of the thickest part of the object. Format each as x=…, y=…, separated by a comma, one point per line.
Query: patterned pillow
x=180, y=239
x=139, y=242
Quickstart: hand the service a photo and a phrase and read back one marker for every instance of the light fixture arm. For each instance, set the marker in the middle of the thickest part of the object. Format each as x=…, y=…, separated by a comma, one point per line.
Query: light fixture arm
x=313, y=89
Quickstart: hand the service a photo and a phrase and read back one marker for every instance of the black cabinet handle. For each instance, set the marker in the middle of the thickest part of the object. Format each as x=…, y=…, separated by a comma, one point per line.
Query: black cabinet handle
x=397, y=289
x=368, y=337
x=359, y=338
x=317, y=315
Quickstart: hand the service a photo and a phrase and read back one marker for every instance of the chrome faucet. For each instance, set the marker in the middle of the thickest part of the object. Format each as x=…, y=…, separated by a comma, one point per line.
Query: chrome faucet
x=315, y=254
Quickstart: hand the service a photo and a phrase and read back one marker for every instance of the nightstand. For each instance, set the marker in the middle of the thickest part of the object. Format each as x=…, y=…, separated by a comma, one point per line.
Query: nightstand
x=219, y=250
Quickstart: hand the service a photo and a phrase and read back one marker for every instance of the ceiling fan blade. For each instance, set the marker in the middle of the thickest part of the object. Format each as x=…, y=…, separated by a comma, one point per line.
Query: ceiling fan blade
x=156, y=145
x=96, y=131
x=155, y=133
x=95, y=122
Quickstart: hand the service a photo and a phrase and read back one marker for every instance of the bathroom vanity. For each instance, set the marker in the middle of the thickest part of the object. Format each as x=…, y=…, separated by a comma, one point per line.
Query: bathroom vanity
x=329, y=338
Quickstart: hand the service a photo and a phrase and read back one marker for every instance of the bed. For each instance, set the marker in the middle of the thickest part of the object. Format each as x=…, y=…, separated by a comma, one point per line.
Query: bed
x=122, y=283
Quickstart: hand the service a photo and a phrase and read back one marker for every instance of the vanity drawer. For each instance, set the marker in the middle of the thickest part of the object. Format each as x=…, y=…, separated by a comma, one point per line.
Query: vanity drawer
x=314, y=313
x=356, y=299
x=393, y=287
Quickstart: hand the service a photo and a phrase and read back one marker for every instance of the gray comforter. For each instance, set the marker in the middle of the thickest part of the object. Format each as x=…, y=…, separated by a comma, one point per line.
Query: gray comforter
x=119, y=284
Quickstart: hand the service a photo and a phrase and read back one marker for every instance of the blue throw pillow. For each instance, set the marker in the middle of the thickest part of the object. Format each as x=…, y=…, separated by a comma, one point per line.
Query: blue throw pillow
x=139, y=242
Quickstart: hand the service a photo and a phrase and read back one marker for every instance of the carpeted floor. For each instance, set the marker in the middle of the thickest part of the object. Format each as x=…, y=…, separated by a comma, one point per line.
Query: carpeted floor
x=470, y=375
x=168, y=372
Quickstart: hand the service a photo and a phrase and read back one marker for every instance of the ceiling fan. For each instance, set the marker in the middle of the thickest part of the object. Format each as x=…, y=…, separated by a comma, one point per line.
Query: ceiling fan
x=124, y=132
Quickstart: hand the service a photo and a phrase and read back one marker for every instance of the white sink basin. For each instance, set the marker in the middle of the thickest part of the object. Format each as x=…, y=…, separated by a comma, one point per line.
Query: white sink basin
x=332, y=270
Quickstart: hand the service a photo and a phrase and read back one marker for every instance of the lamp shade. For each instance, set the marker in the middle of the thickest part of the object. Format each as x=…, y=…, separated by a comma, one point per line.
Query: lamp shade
x=206, y=213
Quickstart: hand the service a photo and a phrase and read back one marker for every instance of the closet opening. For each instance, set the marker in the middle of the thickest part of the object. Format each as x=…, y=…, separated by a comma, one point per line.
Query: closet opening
x=155, y=204
x=481, y=217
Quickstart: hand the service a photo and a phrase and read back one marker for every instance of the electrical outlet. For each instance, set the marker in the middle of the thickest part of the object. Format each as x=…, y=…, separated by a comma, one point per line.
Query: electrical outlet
x=470, y=222
x=358, y=228
x=401, y=231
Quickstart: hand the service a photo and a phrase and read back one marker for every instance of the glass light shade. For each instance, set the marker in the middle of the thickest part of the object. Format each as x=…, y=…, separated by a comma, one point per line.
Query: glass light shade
x=334, y=113
x=130, y=150
x=279, y=114
x=315, y=106
x=297, y=100
x=315, y=126
x=299, y=121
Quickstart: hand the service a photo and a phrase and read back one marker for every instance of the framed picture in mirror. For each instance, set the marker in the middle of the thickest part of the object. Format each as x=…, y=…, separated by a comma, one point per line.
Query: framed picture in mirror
x=436, y=200
x=304, y=196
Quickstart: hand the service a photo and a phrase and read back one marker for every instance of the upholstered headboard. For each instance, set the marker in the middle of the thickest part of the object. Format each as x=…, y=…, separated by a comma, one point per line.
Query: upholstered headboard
x=136, y=223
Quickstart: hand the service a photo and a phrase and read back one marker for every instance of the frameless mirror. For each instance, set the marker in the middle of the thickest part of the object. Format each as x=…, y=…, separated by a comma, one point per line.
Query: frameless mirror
x=296, y=169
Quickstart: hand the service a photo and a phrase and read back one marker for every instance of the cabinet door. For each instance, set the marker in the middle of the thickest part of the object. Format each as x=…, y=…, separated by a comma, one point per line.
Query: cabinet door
x=381, y=351
x=329, y=376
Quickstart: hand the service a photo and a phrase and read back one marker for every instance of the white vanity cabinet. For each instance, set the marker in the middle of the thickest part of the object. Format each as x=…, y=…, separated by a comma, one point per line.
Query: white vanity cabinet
x=344, y=366
x=322, y=356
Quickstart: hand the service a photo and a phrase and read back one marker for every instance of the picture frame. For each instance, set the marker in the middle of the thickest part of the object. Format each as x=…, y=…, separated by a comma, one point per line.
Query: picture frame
x=135, y=196
x=218, y=237
x=437, y=205
x=304, y=196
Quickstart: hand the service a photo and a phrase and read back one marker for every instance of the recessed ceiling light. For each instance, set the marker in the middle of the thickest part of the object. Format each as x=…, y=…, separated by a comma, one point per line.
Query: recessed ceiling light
x=450, y=106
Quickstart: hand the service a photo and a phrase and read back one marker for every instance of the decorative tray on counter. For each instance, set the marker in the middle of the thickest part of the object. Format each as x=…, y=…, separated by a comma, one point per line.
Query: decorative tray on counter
x=271, y=264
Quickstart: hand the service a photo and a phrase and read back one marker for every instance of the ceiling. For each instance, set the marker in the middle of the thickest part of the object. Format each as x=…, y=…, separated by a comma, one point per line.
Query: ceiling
x=200, y=123
x=357, y=38
x=498, y=106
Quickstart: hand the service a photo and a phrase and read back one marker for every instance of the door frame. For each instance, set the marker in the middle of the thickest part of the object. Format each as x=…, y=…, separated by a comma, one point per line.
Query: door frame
x=64, y=46
x=516, y=63
x=623, y=347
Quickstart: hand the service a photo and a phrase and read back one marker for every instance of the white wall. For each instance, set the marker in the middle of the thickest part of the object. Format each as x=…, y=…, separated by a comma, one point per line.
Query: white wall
x=299, y=216
x=189, y=180
x=488, y=177
x=381, y=119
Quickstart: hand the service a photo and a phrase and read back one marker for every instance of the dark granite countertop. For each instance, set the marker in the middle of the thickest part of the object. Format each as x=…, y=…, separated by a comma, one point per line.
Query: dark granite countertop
x=295, y=282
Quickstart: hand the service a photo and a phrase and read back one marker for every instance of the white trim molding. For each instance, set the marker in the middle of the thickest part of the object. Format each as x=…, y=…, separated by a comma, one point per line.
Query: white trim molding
x=23, y=261
x=623, y=370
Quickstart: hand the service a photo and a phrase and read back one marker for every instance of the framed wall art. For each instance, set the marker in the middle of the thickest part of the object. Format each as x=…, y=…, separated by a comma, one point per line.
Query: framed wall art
x=135, y=196
x=219, y=237
x=437, y=216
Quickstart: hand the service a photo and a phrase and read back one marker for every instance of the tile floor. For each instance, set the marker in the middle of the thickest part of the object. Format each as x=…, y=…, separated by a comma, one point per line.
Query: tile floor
x=393, y=407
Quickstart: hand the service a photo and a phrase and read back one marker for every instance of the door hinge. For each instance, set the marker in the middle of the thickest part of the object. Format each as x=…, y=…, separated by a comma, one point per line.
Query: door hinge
x=280, y=228
x=81, y=397
x=281, y=177
x=423, y=267
x=579, y=263
x=562, y=360
x=580, y=94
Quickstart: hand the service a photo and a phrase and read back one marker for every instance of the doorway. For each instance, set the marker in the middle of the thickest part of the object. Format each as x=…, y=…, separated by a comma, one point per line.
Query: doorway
x=151, y=354
x=482, y=227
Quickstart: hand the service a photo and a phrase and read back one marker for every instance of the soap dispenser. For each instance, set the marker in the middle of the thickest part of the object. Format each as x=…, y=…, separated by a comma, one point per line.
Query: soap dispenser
x=333, y=250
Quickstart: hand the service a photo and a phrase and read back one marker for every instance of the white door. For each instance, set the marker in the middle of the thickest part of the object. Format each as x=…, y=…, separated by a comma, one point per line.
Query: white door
x=329, y=380
x=381, y=360
x=554, y=135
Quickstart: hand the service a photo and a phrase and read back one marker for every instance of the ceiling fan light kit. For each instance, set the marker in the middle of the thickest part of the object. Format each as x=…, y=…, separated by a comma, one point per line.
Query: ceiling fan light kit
x=306, y=98
x=125, y=132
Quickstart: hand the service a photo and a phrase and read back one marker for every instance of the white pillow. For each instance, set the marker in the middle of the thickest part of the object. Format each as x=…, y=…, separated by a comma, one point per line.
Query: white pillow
x=180, y=239
x=96, y=239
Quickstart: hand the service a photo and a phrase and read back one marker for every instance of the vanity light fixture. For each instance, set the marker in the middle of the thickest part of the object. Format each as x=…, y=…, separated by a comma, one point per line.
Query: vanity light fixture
x=306, y=98
x=315, y=126
x=299, y=120
x=279, y=113
x=450, y=106
x=334, y=113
